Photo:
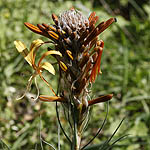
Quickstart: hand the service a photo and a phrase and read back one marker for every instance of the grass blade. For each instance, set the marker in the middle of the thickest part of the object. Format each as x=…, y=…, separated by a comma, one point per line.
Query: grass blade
x=61, y=124
x=107, y=142
x=99, y=130
x=120, y=138
x=4, y=145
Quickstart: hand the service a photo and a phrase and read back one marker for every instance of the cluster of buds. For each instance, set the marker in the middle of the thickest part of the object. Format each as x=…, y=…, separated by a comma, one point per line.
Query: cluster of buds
x=78, y=53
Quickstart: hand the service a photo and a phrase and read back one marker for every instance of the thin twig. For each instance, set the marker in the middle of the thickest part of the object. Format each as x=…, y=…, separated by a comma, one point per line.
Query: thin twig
x=41, y=139
x=58, y=136
x=58, y=118
x=40, y=133
x=48, y=144
x=36, y=146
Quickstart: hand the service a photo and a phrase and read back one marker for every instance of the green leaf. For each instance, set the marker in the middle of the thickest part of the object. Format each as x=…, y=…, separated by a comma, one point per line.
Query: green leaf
x=140, y=129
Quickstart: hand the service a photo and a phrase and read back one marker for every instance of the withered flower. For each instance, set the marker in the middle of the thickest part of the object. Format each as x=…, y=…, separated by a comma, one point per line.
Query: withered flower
x=30, y=58
x=76, y=38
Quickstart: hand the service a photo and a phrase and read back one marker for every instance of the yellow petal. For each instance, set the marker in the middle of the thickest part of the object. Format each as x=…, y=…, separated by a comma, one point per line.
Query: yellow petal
x=36, y=43
x=69, y=54
x=49, y=53
x=53, y=35
x=63, y=32
x=20, y=46
x=47, y=66
x=53, y=52
x=52, y=28
x=33, y=48
x=63, y=66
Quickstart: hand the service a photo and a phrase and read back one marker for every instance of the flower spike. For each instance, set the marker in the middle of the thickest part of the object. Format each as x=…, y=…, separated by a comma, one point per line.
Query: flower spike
x=78, y=52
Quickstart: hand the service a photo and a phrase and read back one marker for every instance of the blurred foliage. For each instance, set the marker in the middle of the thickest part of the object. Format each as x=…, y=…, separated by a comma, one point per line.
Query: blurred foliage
x=125, y=67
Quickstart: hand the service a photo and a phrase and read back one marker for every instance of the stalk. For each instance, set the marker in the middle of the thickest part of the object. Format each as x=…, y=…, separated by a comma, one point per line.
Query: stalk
x=78, y=54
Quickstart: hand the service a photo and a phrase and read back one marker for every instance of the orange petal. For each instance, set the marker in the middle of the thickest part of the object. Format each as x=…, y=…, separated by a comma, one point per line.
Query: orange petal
x=51, y=98
x=33, y=28
x=55, y=19
x=106, y=25
x=92, y=15
x=41, y=27
x=53, y=35
x=96, y=68
x=93, y=34
x=100, y=99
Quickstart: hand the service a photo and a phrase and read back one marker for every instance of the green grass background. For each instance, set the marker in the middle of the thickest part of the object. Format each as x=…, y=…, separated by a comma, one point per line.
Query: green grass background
x=125, y=67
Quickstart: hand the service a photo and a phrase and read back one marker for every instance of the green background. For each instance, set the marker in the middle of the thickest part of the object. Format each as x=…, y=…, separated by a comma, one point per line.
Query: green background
x=125, y=73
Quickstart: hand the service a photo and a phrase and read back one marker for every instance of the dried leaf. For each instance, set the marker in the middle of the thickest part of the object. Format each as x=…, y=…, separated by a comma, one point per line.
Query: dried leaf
x=46, y=98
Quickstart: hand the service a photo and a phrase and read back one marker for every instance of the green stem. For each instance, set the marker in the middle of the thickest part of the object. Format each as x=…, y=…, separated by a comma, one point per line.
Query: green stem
x=77, y=131
x=78, y=140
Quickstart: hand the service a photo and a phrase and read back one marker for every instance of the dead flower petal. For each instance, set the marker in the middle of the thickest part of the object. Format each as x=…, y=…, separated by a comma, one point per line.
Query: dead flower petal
x=33, y=28
x=20, y=46
x=96, y=69
x=51, y=98
x=100, y=99
x=47, y=66
x=51, y=52
x=33, y=48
